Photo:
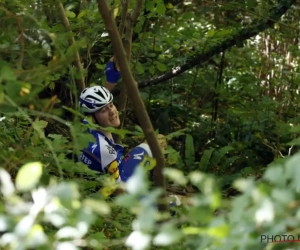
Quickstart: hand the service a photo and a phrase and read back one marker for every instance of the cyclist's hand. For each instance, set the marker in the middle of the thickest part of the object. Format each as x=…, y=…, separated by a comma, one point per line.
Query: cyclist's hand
x=112, y=71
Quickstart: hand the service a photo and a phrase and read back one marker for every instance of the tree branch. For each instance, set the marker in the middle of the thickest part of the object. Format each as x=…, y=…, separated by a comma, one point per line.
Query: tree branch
x=65, y=21
x=135, y=97
x=242, y=35
x=123, y=16
x=131, y=20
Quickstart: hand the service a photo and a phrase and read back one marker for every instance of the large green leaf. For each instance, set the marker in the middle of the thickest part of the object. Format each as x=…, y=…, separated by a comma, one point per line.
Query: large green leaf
x=205, y=159
x=189, y=152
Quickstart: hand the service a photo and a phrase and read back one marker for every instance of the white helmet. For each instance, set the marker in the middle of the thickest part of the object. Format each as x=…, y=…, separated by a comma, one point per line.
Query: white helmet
x=94, y=98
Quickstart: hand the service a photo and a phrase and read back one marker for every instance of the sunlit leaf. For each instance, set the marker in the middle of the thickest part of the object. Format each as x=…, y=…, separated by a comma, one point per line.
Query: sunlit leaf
x=137, y=183
x=67, y=193
x=70, y=14
x=167, y=236
x=7, y=186
x=66, y=245
x=28, y=176
x=98, y=206
x=138, y=240
x=24, y=225
x=170, y=6
x=40, y=124
x=219, y=232
x=266, y=212
x=175, y=175
x=37, y=236
x=274, y=174
x=5, y=223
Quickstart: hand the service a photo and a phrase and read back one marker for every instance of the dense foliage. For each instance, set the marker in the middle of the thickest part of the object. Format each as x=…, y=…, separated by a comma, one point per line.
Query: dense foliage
x=231, y=122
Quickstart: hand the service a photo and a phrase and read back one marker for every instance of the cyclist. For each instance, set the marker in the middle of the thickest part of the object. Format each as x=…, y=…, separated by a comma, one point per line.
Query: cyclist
x=105, y=155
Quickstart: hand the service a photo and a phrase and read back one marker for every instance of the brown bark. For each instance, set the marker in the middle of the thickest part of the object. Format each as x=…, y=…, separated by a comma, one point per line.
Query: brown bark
x=135, y=97
x=131, y=20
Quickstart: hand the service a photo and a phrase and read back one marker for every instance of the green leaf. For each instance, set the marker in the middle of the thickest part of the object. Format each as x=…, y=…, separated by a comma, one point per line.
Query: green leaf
x=82, y=13
x=40, y=124
x=175, y=175
x=294, y=142
x=98, y=236
x=218, y=155
x=210, y=33
x=248, y=171
x=67, y=193
x=160, y=66
x=98, y=206
x=138, y=129
x=140, y=68
x=220, y=231
x=173, y=156
x=188, y=15
x=151, y=70
x=189, y=152
x=204, y=162
x=274, y=174
x=137, y=183
x=161, y=8
x=167, y=236
x=295, y=129
x=7, y=74
x=70, y=14
x=28, y=176
x=176, y=134
x=149, y=5
x=292, y=171
x=37, y=236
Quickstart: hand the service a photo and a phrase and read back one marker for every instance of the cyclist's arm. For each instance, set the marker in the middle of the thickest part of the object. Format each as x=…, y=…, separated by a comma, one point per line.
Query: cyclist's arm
x=110, y=86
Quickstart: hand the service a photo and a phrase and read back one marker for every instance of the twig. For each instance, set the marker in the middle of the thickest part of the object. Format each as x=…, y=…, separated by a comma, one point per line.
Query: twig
x=124, y=16
x=131, y=20
x=65, y=21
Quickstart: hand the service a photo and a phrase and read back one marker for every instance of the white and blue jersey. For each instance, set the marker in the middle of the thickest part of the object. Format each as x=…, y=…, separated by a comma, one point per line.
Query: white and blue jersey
x=105, y=156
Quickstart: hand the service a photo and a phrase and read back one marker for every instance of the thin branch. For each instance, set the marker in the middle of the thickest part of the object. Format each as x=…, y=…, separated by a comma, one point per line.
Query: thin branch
x=124, y=16
x=245, y=33
x=131, y=20
x=65, y=21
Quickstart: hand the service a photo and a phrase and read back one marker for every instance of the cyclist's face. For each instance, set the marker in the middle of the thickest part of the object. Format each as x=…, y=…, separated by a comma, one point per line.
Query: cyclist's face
x=108, y=116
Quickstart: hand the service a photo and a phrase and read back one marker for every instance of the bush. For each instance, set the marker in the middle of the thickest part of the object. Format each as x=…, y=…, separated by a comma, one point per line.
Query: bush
x=59, y=216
